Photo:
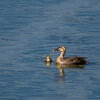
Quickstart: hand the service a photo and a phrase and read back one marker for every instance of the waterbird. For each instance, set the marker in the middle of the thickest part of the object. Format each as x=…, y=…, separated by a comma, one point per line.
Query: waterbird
x=48, y=59
x=69, y=60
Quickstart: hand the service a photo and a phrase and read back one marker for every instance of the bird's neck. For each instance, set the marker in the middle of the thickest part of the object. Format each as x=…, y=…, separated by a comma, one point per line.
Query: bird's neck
x=62, y=54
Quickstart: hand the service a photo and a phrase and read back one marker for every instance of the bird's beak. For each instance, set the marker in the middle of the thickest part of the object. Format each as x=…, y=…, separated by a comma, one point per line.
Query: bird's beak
x=55, y=50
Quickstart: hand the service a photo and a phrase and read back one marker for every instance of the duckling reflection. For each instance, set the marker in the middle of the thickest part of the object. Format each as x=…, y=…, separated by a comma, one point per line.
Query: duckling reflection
x=48, y=64
x=61, y=68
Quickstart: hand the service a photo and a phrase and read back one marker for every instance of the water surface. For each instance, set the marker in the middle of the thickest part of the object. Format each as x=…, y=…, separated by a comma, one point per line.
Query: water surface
x=29, y=30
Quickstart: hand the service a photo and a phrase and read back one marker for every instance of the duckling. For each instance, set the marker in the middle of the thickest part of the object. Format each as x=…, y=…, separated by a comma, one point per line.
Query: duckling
x=69, y=60
x=48, y=59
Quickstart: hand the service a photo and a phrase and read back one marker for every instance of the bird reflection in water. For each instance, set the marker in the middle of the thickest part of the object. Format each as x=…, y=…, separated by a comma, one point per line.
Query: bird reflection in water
x=62, y=67
x=48, y=64
x=62, y=73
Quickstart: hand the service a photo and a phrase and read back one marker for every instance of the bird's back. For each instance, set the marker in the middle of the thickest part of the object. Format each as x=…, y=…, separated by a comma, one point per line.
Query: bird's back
x=75, y=60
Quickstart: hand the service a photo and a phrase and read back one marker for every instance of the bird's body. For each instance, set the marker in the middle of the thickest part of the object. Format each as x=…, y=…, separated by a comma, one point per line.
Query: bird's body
x=69, y=60
x=48, y=59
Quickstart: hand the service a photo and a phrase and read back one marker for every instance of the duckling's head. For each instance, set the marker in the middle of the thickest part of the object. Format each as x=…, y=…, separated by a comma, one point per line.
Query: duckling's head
x=48, y=56
x=61, y=48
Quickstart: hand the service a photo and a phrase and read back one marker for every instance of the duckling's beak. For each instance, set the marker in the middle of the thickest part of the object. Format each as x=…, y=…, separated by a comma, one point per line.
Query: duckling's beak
x=55, y=50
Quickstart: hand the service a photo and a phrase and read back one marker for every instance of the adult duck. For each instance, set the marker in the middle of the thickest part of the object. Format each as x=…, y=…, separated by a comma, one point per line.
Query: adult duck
x=69, y=60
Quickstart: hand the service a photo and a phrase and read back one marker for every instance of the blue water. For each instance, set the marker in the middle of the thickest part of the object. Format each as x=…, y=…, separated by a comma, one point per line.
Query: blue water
x=31, y=29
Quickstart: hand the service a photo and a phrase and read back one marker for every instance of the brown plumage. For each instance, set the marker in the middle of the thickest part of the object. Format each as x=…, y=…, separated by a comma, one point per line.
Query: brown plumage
x=69, y=60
